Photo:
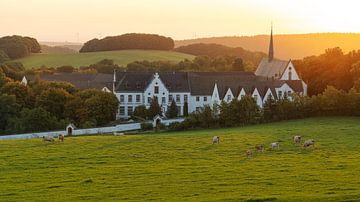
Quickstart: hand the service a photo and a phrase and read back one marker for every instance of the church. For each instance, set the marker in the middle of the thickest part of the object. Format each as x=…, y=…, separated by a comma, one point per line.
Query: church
x=273, y=78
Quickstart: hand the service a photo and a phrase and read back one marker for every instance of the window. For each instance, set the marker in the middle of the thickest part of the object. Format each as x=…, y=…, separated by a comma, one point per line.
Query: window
x=149, y=99
x=137, y=98
x=177, y=98
x=280, y=93
x=122, y=110
x=130, y=98
x=290, y=75
x=170, y=98
x=255, y=97
x=205, y=99
x=122, y=98
x=289, y=93
x=229, y=98
x=156, y=89
x=185, y=98
x=163, y=100
x=197, y=98
x=130, y=110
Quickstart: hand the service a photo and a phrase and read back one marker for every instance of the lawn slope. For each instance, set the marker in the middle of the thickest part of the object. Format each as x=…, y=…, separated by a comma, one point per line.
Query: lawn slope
x=122, y=57
x=185, y=166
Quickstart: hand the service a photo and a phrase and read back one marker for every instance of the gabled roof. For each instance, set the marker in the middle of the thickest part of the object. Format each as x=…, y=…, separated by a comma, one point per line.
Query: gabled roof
x=138, y=81
x=79, y=80
x=296, y=85
x=273, y=68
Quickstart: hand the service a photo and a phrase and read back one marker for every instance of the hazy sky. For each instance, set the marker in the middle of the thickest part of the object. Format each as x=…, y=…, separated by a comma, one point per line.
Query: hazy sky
x=82, y=20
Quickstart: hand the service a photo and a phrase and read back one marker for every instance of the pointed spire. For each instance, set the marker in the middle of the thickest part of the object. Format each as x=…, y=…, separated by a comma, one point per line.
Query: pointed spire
x=271, y=46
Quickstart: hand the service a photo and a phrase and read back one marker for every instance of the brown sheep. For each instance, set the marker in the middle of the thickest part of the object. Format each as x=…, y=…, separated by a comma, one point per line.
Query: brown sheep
x=249, y=154
x=61, y=137
x=259, y=148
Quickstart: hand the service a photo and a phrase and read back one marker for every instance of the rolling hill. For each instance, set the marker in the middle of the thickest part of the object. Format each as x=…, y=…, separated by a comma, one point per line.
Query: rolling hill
x=122, y=57
x=294, y=46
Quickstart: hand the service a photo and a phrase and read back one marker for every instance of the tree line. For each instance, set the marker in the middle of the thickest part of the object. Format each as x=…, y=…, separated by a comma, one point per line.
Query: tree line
x=43, y=106
x=129, y=41
x=13, y=47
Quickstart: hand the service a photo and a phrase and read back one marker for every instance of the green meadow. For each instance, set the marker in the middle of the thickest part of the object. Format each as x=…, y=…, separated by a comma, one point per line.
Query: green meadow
x=185, y=166
x=122, y=57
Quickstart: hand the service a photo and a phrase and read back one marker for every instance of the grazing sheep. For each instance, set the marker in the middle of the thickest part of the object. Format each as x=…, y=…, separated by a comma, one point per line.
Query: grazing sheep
x=309, y=143
x=297, y=139
x=248, y=154
x=216, y=140
x=48, y=139
x=61, y=137
x=259, y=148
x=275, y=145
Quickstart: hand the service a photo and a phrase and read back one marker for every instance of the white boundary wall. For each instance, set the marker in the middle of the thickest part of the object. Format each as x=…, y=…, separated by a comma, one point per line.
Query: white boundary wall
x=88, y=131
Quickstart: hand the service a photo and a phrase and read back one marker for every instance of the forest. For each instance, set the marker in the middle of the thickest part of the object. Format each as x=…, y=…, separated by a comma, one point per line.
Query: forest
x=129, y=41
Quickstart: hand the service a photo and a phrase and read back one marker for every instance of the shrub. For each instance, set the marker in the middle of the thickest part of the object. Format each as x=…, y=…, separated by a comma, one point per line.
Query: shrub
x=146, y=126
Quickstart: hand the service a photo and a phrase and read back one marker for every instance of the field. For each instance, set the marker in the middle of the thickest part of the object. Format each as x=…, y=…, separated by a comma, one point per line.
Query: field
x=185, y=166
x=122, y=57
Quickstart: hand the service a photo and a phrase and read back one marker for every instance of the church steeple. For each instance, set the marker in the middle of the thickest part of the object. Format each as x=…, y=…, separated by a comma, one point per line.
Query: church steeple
x=271, y=46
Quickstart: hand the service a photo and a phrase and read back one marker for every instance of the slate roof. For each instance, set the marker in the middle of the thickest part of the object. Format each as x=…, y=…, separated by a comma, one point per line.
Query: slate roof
x=138, y=81
x=79, y=80
x=274, y=68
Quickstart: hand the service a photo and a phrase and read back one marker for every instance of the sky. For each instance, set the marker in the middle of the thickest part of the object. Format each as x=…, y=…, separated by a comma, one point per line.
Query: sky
x=82, y=20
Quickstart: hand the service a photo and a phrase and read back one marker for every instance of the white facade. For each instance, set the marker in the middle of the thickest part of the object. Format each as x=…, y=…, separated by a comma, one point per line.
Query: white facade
x=290, y=73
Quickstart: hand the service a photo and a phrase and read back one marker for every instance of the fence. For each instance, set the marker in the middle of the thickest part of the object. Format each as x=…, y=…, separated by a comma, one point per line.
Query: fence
x=88, y=131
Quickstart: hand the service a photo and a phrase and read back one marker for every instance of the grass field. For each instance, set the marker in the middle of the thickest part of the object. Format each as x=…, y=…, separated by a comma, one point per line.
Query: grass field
x=122, y=57
x=185, y=166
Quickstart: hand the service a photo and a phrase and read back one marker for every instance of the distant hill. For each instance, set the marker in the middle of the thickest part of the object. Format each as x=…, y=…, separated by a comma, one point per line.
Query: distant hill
x=72, y=45
x=214, y=50
x=56, y=49
x=294, y=46
x=84, y=59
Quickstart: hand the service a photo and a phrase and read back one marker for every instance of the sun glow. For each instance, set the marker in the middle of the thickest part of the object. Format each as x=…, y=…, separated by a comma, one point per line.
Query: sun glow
x=81, y=20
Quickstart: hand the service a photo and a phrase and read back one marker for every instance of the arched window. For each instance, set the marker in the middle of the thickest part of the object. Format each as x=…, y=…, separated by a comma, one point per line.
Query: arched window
x=290, y=74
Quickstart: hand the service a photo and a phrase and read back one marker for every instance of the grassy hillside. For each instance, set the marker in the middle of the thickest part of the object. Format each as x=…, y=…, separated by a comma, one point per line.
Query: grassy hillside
x=185, y=166
x=294, y=46
x=82, y=59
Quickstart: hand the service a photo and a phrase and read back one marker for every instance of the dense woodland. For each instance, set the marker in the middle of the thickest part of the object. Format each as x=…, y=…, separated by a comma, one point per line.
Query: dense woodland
x=129, y=41
x=44, y=106
x=13, y=47
x=332, y=68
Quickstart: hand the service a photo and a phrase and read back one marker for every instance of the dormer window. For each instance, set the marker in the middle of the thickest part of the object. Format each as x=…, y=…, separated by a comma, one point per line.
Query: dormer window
x=228, y=98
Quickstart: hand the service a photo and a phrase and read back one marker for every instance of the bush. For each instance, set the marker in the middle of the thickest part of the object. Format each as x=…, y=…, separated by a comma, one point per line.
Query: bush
x=146, y=126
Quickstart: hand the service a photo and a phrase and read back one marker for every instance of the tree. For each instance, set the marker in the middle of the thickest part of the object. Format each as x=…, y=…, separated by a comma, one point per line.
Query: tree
x=54, y=100
x=21, y=92
x=35, y=120
x=102, y=107
x=154, y=108
x=173, y=110
x=140, y=111
x=8, y=109
x=3, y=57
x=186, y=109
x=247, y=110
x=238, y=65
x=66, y=69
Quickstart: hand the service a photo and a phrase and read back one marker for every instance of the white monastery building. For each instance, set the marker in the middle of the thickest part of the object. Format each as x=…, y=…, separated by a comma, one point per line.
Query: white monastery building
x=273, y=78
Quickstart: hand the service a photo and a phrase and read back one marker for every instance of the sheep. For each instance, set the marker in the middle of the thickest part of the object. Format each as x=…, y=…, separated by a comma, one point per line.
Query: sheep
x=275, y=145
x=216, y=140
x=309, y=143
x=248, y=154
x=259, y=148
x=48, y=139
x=61, y=137
x=297, y=139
